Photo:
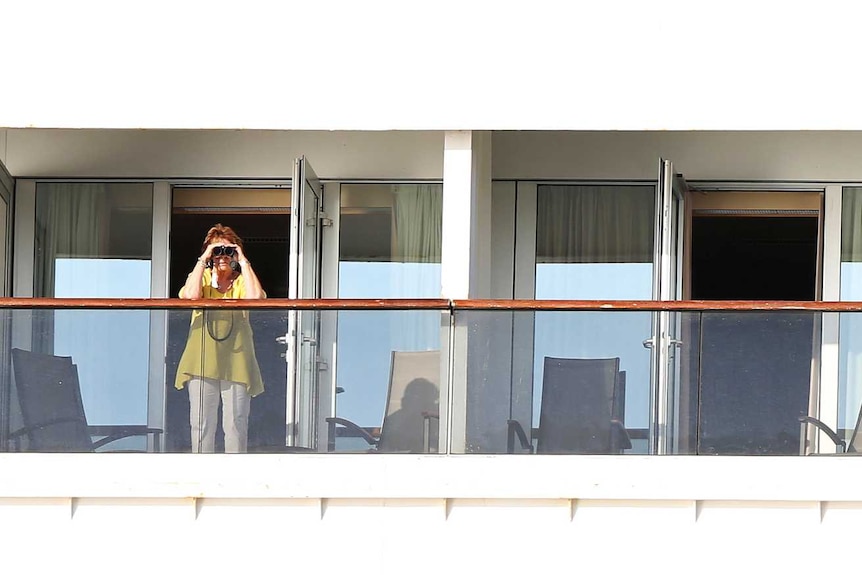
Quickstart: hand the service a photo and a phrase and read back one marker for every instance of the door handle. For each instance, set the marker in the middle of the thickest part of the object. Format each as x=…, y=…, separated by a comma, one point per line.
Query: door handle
x=649, y=343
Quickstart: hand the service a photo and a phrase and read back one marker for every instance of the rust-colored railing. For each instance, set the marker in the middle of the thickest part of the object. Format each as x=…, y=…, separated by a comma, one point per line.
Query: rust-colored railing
x=275, y=303
x=430, y=304
x=652, y=305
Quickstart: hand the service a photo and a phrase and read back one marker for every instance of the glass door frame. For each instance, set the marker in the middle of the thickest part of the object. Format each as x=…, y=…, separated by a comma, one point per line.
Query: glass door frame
x=303, y=329
x=667, y=286
x=777, y=197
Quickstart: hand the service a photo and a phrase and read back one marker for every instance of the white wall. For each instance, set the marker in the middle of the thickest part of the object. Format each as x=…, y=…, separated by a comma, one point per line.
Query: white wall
x=222, y=153
x=435, y=64
x=382, y=514
x=747, y=156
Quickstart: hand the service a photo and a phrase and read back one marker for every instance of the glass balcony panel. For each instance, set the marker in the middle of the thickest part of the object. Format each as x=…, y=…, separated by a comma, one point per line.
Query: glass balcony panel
x=574, y=382
x=758, y=374
x=63, y=389
x=737, y=383
x=77, y=380
x=586, y=380
x=389, y=363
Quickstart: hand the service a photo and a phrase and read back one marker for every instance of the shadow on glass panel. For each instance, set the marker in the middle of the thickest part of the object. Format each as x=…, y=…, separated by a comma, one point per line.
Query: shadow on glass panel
x=411, y=420
x=582, y=409
x=52, y=410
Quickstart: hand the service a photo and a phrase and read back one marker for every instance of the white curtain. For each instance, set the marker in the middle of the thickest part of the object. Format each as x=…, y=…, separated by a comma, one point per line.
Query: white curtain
x=851, y=227
x=418, y=222
x=594, y=224
x=417, y=214
x=68, y=224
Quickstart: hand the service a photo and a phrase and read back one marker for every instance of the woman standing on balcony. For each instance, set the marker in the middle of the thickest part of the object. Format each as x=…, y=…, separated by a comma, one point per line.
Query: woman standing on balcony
x=219, y=360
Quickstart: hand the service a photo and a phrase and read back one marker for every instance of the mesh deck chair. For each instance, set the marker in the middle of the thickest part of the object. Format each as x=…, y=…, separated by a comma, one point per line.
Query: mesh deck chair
x=854, y=446
x=582, y=410
x=412, y=407
x=52, y=410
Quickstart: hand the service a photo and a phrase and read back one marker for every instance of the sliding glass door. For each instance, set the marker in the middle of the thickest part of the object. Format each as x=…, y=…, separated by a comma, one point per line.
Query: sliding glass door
x=592, y=242
x=94, y=240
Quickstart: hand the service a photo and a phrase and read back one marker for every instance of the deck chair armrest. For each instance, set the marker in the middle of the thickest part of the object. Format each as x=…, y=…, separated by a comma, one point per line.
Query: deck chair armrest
x=360, y=432
x=15, y=436
x=115, y=433
x=427, y=417
x=622, y=435
x=515, y=429
x=807, y=419
x=45, y=424
x=111, y=433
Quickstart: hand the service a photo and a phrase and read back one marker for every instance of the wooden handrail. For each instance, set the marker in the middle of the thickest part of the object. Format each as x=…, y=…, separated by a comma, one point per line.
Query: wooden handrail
x=428, y=304
x=274, y=303
x=651, y=305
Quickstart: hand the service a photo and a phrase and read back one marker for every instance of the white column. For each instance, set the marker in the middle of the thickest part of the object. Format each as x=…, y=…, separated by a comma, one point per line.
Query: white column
x=466, y=270
x=466, y=250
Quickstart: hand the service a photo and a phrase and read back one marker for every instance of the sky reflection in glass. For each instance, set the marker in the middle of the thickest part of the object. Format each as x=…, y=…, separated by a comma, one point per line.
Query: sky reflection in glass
x=597, y=334
x=110, y=347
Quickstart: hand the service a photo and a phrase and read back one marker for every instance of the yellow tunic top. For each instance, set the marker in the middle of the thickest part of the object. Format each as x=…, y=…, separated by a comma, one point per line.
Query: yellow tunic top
x=221, y=343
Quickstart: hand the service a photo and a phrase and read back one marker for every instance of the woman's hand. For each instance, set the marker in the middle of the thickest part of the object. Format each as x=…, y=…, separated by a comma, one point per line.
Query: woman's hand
x=253, y=289
x=208, y=253
x=193, y=289
x=240, y=256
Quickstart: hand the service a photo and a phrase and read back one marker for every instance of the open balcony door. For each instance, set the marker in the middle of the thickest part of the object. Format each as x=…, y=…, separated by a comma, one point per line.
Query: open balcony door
x=303, y=331
x=666, y=341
